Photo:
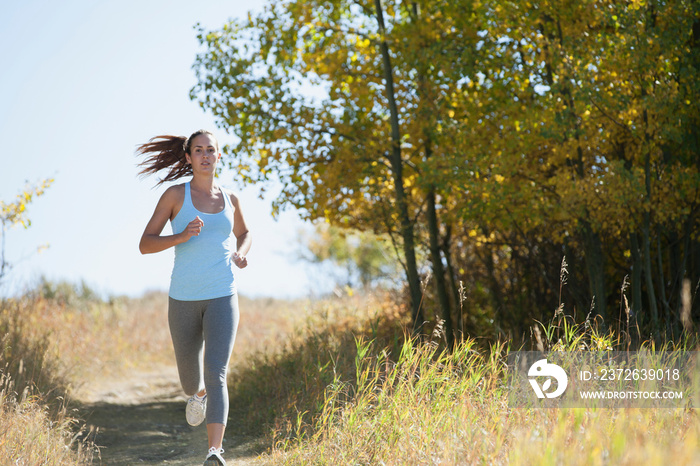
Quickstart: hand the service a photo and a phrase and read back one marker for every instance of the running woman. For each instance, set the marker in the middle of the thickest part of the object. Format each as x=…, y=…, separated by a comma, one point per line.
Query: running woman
x=209, y=236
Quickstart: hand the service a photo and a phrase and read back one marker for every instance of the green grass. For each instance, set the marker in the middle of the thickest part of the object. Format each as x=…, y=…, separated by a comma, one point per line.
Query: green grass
x=278, y=390
x=351, y=388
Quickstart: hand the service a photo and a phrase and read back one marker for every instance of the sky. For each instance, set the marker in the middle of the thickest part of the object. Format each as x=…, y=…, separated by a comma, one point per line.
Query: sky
x=83, y=83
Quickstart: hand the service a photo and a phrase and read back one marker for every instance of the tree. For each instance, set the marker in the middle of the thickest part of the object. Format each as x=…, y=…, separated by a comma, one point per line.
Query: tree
x=15, y=213
x=365, y=259
x=501, y=135
x=339, y=156
x=596, y=136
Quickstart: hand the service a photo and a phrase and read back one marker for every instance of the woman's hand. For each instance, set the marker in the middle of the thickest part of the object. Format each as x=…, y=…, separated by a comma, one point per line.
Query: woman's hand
x=152, y=240
x=193, y=228
x=240, y=261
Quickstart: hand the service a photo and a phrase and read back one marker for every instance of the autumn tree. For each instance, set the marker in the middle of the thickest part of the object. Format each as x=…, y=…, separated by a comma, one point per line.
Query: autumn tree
x=588, y=109
x=366, y=260
x=14, y=214
x=502, y=135
x=340, y=155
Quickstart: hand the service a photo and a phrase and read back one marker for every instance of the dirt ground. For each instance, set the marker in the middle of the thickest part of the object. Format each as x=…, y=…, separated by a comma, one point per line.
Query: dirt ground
x=140, y=419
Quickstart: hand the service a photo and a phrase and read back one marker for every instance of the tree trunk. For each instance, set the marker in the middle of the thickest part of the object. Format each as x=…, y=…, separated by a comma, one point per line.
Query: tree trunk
x=591, y=239
x=662, y=286
x=636, y=306
x=456, y=295
x=438, y=269
x=396, y=162
x=681, y=267
x=646, y=228
x=433, y=222
x=494, y=285
x=595, y=267
x=646, y=264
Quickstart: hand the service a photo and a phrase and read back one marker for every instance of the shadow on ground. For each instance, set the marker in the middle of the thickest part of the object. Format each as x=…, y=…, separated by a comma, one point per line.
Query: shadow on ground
x=145, y=424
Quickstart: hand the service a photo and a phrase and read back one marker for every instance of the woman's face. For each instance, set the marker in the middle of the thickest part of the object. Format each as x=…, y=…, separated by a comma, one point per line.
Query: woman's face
x=204, y=154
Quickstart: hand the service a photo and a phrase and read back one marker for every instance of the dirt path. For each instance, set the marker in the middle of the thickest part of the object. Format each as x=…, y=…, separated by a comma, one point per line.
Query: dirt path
x=140, y=419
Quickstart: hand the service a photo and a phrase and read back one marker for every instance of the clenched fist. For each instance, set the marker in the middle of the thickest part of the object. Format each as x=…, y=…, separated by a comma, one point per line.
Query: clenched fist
x=239, y=260
x=193, y=228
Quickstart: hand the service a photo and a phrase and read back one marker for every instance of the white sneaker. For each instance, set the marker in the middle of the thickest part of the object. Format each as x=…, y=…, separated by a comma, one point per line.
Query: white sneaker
x=214, y=457
x=196, y=410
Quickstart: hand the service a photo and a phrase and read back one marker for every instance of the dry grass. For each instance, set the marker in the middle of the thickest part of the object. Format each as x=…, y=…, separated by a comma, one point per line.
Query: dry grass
x=265, y=324
x=55, y=340
x=91, y=338
x=31, y=435
x=333, y=381
x=277, y=389
x=437, y=408
x=34, y=425
x=58, y=340
x=349, y=388
x=604, y=436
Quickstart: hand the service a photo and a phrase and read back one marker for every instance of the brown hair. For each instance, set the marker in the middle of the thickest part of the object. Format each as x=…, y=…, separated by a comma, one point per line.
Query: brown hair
x=169, y=152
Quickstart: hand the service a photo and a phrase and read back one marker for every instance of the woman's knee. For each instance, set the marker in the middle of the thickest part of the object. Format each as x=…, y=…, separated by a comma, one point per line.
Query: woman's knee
x=190, y=385
x=215, y=377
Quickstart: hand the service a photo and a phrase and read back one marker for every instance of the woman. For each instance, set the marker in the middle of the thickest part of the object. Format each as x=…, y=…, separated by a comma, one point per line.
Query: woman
x=203, y=304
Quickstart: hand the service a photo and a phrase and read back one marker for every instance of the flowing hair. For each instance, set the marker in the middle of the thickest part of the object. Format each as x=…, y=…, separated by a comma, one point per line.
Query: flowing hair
x=168, y=152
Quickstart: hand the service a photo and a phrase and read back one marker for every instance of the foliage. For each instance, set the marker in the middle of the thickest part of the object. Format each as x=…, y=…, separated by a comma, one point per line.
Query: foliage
x=15, y=213
x=339, y=153
x=529, y=131
x=365, y=259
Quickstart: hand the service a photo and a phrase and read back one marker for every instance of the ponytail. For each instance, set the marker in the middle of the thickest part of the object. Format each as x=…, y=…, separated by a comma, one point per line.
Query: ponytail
x=168, y=152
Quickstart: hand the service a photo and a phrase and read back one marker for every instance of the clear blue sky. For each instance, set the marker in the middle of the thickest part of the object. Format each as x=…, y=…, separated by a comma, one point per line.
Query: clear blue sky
x=83, y=83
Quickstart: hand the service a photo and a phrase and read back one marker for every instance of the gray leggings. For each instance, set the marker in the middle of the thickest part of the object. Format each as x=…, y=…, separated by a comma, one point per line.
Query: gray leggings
x=192, y=323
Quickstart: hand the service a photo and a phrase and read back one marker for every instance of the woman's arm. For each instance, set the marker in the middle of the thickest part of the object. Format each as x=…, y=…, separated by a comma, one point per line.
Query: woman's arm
x=151, y=240
x=244, y=239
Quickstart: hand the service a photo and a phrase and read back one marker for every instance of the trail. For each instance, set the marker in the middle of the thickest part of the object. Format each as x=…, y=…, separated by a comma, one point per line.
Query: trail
x=140, y=419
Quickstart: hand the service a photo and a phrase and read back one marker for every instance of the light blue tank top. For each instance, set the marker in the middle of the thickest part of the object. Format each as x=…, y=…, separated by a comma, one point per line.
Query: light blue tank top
x=203, y=267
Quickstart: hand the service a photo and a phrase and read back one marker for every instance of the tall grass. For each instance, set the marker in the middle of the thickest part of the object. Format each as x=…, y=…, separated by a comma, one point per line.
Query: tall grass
x=54, y=340
x=28, y=356
x=429, y=407
x=93, y=336
x=30, y=434
x=278, y=389
x=354, y=389
x=435, y=407
x=336, y=381
x=35, y=427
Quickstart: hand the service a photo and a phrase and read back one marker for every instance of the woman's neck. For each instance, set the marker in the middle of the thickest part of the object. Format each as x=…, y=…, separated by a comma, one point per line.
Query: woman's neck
x=203, y=184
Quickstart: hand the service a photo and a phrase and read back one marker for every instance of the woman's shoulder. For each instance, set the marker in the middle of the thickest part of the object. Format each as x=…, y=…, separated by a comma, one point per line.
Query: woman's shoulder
x=231, y=195
x=175, y=189
x=174, y=193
